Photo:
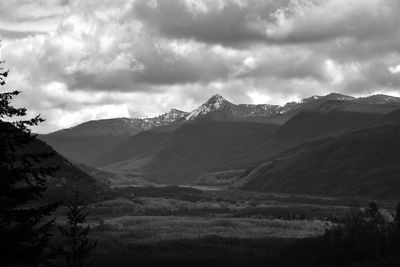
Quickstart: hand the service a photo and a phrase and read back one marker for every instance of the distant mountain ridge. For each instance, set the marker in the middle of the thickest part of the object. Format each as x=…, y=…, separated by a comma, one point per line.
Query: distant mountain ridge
x=112, y=127
x=120, y=126
x=88, y=141
x=378, y=99
x=216, y=103
x=172, y=115
x=99, y=142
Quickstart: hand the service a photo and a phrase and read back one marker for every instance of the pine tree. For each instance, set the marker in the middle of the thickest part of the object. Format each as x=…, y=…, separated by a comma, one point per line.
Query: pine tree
x=372, y=210
x=25, y=225
x=397, y=216
x=78, y=246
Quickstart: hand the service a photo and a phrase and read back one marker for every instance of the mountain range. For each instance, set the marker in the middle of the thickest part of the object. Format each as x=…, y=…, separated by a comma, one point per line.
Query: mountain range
x=222, y=139
x=85, y=142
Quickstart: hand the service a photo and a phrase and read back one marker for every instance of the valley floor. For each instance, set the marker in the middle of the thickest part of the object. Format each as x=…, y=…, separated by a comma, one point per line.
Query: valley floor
x=180, y=225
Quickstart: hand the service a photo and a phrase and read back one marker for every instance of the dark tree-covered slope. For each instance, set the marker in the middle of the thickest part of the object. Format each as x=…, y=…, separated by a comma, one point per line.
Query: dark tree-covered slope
x=305, y=126
x=366, y=162
x=199, y=147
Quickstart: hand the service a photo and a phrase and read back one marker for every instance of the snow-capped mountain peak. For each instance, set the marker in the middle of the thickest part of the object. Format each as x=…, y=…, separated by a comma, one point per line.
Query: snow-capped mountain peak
x=217, y=98
x=131, y=126
x=214, y=103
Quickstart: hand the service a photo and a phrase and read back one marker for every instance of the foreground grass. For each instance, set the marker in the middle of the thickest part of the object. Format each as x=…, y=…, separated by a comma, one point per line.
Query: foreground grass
x=147, y=229
x=197, y=241
x=359, y=242
x=241, y=209
x=173, y=232
x=206, y=251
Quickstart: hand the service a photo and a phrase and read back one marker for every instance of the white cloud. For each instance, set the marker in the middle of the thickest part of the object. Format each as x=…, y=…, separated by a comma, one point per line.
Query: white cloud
x=394, y=69
x=78, y=60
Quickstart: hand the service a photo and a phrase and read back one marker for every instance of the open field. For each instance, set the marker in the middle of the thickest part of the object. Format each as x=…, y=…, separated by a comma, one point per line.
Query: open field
x=146, y=229
x=174, y=226
x=160, y=231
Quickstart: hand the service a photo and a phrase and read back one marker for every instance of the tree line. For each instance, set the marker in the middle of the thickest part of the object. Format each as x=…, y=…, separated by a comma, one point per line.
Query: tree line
x=26, y=225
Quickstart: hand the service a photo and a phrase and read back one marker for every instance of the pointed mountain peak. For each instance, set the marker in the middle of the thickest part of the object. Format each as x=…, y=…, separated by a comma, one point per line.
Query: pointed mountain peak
x=214, y=103
x=217, y=101
x=217, y=98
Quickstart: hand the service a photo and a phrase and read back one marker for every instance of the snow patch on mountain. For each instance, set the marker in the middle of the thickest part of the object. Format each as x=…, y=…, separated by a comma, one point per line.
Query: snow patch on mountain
x=130, y=126
x=166, y=118
x=216, y=102
x=121, y=126
x=378, y=99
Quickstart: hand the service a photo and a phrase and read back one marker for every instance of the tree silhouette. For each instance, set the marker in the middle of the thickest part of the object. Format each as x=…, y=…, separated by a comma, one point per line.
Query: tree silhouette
x=372, y=210
x=397, y=216
x=24, y=223
x=78, y=245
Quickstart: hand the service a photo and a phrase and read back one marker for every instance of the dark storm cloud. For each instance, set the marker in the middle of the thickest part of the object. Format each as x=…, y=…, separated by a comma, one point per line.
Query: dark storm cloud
x=233, y=23
x=7, y=34
x=224, y=22
x=372, y=77
x=156, y=68
x=152, y=57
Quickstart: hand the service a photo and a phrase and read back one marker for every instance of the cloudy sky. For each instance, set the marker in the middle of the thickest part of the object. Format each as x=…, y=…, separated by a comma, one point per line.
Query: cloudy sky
x=77, y=60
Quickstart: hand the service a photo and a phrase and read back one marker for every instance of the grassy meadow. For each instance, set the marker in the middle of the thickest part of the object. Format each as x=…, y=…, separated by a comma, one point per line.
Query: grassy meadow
x=177, y=225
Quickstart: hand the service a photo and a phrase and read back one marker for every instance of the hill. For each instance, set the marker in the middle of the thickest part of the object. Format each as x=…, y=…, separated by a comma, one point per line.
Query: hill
x=364, y=162
x=305, y=126
x=145, y=142
x=200, y=146
x=87, y=142
x=67, y=178
x=137, y=146
x=313, y=118
x=113, y=179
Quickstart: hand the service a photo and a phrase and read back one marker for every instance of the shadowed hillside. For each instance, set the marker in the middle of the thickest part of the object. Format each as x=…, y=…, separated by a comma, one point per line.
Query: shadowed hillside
x=88, y=142
x=365, y=162
x=198, y=147
x=140, y=145
x=67, y=178
x=305, y=126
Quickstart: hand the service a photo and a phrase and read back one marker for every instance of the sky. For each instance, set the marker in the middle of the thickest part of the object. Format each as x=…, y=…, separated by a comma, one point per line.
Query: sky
x=79, y=60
